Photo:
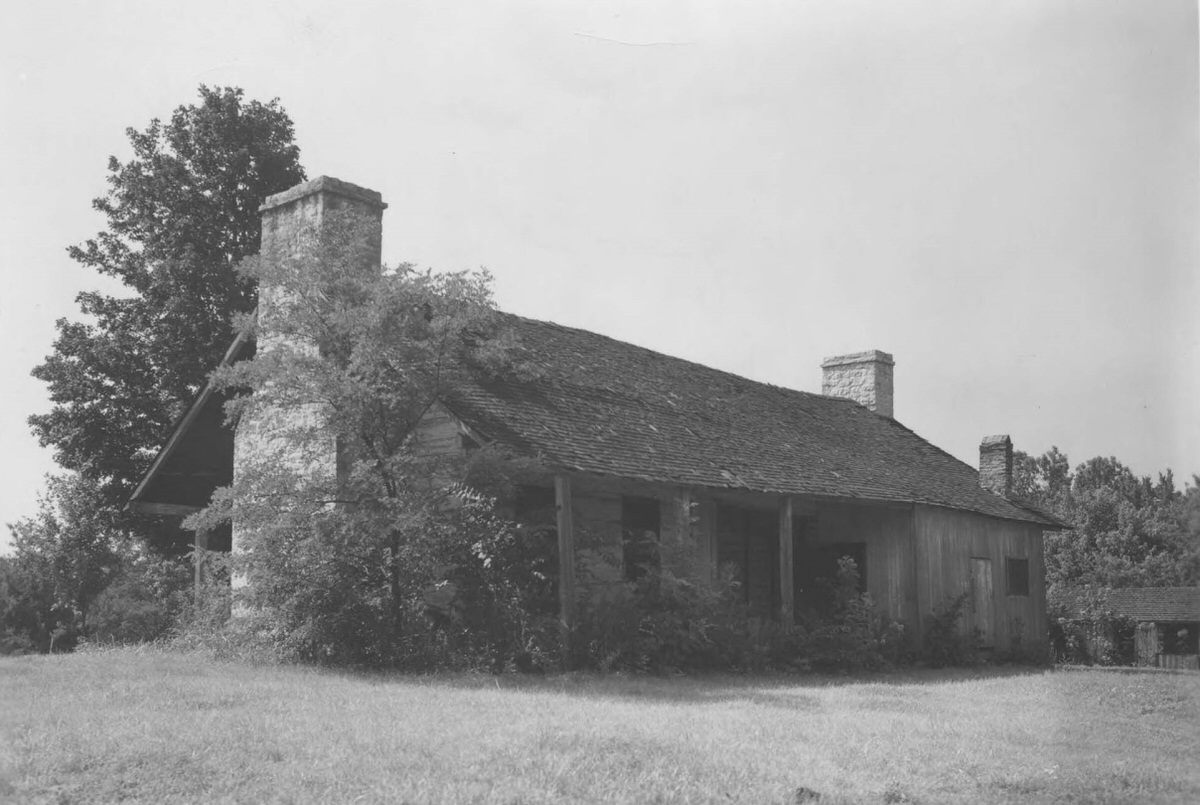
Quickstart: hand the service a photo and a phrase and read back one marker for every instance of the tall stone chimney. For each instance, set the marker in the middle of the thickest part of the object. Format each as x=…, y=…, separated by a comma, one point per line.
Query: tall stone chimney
x=865, y=377
x=996, y=464
x=296, y=220
x=295, y=226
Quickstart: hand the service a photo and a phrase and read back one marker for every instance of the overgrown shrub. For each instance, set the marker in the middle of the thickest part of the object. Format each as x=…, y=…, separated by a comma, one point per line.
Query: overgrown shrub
x=848, y=635
x=945, y=641
x=662, y=622
x=494, y=605
x=665, y=622
x=146, y=601
x=1100, y=639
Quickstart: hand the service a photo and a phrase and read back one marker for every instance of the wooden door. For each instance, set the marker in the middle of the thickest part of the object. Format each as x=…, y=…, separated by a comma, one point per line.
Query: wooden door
x=1145, y=643
x=981, y=600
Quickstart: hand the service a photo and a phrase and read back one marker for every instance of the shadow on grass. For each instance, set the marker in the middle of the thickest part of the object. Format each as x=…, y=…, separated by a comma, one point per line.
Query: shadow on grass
x=777, y=690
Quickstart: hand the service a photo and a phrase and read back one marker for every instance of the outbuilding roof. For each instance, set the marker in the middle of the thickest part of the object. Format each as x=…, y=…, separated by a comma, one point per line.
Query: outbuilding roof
x=1158, y=604
x=605, y=406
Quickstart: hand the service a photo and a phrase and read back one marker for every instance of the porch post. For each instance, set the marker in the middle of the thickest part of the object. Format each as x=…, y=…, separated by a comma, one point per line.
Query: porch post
x=199, y=550
x=683, y=514
x=566, y=555
x=787, y=606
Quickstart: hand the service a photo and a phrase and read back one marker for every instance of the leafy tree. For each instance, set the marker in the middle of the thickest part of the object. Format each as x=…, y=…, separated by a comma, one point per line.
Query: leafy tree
x=149, y=597
x=1129, y=531
x=71, y=545
x=28, y=614
x=180, y=214
x=346, y=522
x=1190, y=516
x=1044, y=479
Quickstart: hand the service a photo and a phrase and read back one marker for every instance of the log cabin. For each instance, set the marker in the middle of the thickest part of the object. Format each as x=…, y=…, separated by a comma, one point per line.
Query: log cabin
x=768, y=483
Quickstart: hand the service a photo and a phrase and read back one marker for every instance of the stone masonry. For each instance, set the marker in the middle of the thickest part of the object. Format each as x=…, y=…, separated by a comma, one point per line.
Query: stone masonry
x=292, y=222
x=865, y=377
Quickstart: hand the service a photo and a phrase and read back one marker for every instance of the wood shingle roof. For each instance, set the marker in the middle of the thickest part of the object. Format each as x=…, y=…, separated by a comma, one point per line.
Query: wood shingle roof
x=605, y=406
x=1157, y=604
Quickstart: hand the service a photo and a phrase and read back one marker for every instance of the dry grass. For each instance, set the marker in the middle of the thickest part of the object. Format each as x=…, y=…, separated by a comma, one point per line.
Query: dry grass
x=146, y=726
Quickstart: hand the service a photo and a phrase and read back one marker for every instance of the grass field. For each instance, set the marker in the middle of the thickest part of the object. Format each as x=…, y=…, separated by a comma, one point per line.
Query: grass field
x=153, y=726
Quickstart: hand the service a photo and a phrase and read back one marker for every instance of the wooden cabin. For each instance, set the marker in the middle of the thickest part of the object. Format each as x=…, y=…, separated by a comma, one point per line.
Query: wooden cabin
x=771, y=484
x=1160, y=624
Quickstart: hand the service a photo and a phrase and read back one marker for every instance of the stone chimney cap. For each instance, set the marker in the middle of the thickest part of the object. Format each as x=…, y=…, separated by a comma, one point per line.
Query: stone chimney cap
x=859, y=357
x=1000, y=440
x=326, y=184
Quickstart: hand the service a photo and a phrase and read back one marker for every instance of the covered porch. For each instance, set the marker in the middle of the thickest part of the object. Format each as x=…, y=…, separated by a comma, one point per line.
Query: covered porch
x=778, y=548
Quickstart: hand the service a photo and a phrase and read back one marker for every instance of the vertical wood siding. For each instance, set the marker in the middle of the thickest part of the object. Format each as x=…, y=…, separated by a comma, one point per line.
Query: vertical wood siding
x=917, y=557
x=887, y=532
x=946, y=542
x=1182, y=662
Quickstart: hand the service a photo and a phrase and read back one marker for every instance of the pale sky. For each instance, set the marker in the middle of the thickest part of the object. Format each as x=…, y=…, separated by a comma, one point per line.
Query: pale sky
x=1004, y=195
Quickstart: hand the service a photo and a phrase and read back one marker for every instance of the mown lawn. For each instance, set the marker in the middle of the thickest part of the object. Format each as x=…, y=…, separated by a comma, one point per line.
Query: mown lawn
x=152, y=726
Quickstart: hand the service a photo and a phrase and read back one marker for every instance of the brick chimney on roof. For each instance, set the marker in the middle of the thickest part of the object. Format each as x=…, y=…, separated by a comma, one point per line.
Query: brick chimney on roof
x=996, y=464
x=865, y=377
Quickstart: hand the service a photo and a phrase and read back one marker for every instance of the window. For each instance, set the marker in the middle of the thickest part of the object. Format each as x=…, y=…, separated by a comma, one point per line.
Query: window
x=1180, y=638
x=641, y=523
x=1018, y=576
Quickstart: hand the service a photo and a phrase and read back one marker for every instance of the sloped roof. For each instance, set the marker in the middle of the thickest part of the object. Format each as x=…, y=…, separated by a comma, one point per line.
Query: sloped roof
x=198, y=455
x=609, y=407
x=1156, y=603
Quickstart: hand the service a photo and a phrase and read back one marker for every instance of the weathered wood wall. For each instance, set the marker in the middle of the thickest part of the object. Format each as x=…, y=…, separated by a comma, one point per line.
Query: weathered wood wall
x=917, y=556
x=888, y=533
x=438, y=433
x=1182, y=662
x=946, y=541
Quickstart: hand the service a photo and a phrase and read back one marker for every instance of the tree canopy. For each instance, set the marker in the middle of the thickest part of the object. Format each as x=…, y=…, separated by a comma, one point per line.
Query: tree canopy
x=1129, y=531
x=71, y=545
x=179, y=216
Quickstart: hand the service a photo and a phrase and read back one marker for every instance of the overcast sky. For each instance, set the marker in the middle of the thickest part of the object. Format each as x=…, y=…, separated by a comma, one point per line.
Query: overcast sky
x=1004, y=195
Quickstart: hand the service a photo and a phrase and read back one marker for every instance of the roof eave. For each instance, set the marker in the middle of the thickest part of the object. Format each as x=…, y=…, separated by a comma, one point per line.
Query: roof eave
x=134, y=504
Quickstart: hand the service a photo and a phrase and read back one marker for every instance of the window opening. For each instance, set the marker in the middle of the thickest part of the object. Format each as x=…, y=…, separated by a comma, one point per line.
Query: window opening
x=641, y=524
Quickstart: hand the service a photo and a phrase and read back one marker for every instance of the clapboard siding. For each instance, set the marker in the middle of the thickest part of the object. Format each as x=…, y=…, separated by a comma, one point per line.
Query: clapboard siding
x=946, y=542
x=438, y=433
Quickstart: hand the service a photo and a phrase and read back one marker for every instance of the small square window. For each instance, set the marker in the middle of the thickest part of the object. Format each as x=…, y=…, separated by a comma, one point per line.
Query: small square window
x=1018, y=576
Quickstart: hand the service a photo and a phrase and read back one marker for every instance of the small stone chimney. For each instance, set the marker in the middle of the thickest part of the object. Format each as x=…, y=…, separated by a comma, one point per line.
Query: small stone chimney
x=865, y=377
x=996, y=464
